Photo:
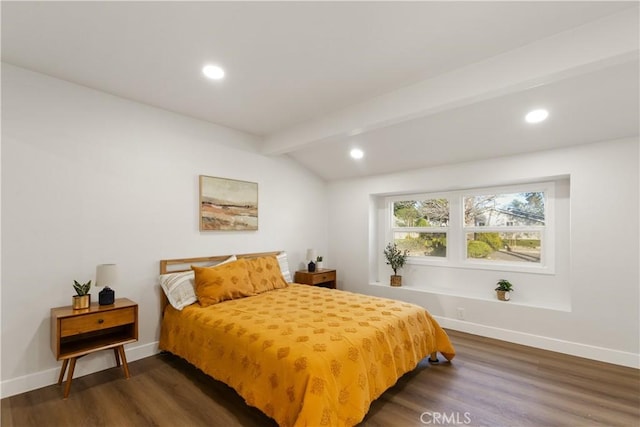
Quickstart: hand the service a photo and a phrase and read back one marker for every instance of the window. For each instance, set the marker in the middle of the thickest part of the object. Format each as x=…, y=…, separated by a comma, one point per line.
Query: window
x=420, y=226
x=506, y=228
x=501, y=227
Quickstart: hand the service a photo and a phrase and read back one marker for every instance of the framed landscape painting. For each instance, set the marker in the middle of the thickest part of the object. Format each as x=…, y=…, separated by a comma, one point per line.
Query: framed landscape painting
x=228, y=204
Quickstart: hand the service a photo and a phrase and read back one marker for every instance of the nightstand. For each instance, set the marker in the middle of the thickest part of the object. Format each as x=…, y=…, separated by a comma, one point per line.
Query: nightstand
x=76, y=333
x=322, y=277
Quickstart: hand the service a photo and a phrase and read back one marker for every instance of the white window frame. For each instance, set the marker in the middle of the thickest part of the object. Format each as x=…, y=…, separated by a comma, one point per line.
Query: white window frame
x=456, y=231
x=391, y=228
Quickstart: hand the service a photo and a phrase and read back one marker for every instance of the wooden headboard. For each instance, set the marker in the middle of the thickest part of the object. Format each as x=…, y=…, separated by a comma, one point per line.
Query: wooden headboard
x=184, y=264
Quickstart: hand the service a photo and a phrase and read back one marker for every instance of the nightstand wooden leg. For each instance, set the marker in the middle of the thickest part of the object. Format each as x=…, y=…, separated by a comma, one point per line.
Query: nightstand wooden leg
x=67, y=388
x=65, y=362
x=117, y=354
x=124, y=361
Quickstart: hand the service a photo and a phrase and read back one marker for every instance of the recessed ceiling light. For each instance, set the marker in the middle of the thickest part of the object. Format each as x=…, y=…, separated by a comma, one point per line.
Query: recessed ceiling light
x=536, y=116
x=356, y=153
x=213, y=72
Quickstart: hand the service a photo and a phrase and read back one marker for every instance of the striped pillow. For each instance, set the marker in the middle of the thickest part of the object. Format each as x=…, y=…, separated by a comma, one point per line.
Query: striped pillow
x=284, y=266
x=179, y=288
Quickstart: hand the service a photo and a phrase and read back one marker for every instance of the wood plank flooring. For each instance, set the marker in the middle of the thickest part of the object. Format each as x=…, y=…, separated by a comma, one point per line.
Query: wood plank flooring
x=489, y=383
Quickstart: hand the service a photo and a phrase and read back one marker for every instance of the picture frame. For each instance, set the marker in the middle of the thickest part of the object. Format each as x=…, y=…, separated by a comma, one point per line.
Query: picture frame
x=228, y=204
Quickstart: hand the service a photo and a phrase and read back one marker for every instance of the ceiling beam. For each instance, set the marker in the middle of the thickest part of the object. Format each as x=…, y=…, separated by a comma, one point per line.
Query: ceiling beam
x=606, y=42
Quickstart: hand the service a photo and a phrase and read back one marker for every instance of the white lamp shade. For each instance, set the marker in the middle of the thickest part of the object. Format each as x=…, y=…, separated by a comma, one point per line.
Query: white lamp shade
x=106, y=275
x=311, y=255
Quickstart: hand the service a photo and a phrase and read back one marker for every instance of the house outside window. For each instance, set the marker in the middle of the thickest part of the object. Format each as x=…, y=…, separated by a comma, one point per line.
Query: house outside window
x=505, y=227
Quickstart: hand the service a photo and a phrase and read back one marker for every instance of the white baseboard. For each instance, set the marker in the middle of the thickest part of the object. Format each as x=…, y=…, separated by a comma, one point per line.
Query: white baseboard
x=602, y=354
x=88, y=365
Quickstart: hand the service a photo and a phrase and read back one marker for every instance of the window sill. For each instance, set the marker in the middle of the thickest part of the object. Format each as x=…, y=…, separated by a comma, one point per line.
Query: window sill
x=480, y=265
x=451, y=293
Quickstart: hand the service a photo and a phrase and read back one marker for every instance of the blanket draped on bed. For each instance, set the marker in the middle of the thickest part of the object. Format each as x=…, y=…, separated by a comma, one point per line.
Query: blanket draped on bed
x=305, y=356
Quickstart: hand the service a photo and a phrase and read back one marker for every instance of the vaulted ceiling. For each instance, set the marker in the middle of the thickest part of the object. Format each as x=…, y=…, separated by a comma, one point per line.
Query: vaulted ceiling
x=413, y=84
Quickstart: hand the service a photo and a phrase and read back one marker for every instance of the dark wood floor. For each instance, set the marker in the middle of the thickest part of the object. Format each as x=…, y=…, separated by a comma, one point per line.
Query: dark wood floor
x=490, y=383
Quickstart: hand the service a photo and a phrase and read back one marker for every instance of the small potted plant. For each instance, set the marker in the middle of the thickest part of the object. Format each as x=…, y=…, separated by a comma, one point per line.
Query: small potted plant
x=319, y=264
x=503, y=289
x=82, y=299
x=396, y=259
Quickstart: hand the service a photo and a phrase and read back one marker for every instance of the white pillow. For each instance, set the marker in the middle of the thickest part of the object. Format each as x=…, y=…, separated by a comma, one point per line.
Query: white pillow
x=284, y=266
x=180, y=287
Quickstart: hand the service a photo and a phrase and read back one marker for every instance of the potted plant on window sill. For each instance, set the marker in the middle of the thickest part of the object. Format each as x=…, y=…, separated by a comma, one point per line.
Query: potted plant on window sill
x=396, y=259
x=83, y=298
x=503, y=290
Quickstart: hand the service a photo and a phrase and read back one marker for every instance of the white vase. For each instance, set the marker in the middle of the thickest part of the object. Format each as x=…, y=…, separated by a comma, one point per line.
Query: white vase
x=319, y=265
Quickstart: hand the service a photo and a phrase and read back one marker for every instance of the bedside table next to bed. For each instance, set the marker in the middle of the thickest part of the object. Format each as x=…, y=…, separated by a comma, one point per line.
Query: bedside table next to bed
x=75, y=333
x=322, y=277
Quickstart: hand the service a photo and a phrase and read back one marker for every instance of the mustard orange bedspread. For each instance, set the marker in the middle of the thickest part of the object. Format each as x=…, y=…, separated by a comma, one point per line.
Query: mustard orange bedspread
x=305, y=356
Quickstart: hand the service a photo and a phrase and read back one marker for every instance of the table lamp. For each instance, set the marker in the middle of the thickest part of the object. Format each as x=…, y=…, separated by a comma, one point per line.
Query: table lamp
x=106, y=274
x=311, y=256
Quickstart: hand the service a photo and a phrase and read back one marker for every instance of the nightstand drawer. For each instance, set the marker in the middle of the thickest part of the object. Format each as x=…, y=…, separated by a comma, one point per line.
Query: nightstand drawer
x=96, y=321
x=323, y=277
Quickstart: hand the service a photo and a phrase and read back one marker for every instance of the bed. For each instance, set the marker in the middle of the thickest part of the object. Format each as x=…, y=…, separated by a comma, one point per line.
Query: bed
x=303, y=355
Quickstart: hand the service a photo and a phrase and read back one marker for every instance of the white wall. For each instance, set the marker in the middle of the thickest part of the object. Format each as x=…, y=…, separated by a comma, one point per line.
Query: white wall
x=89, y=178
x=596, y=314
